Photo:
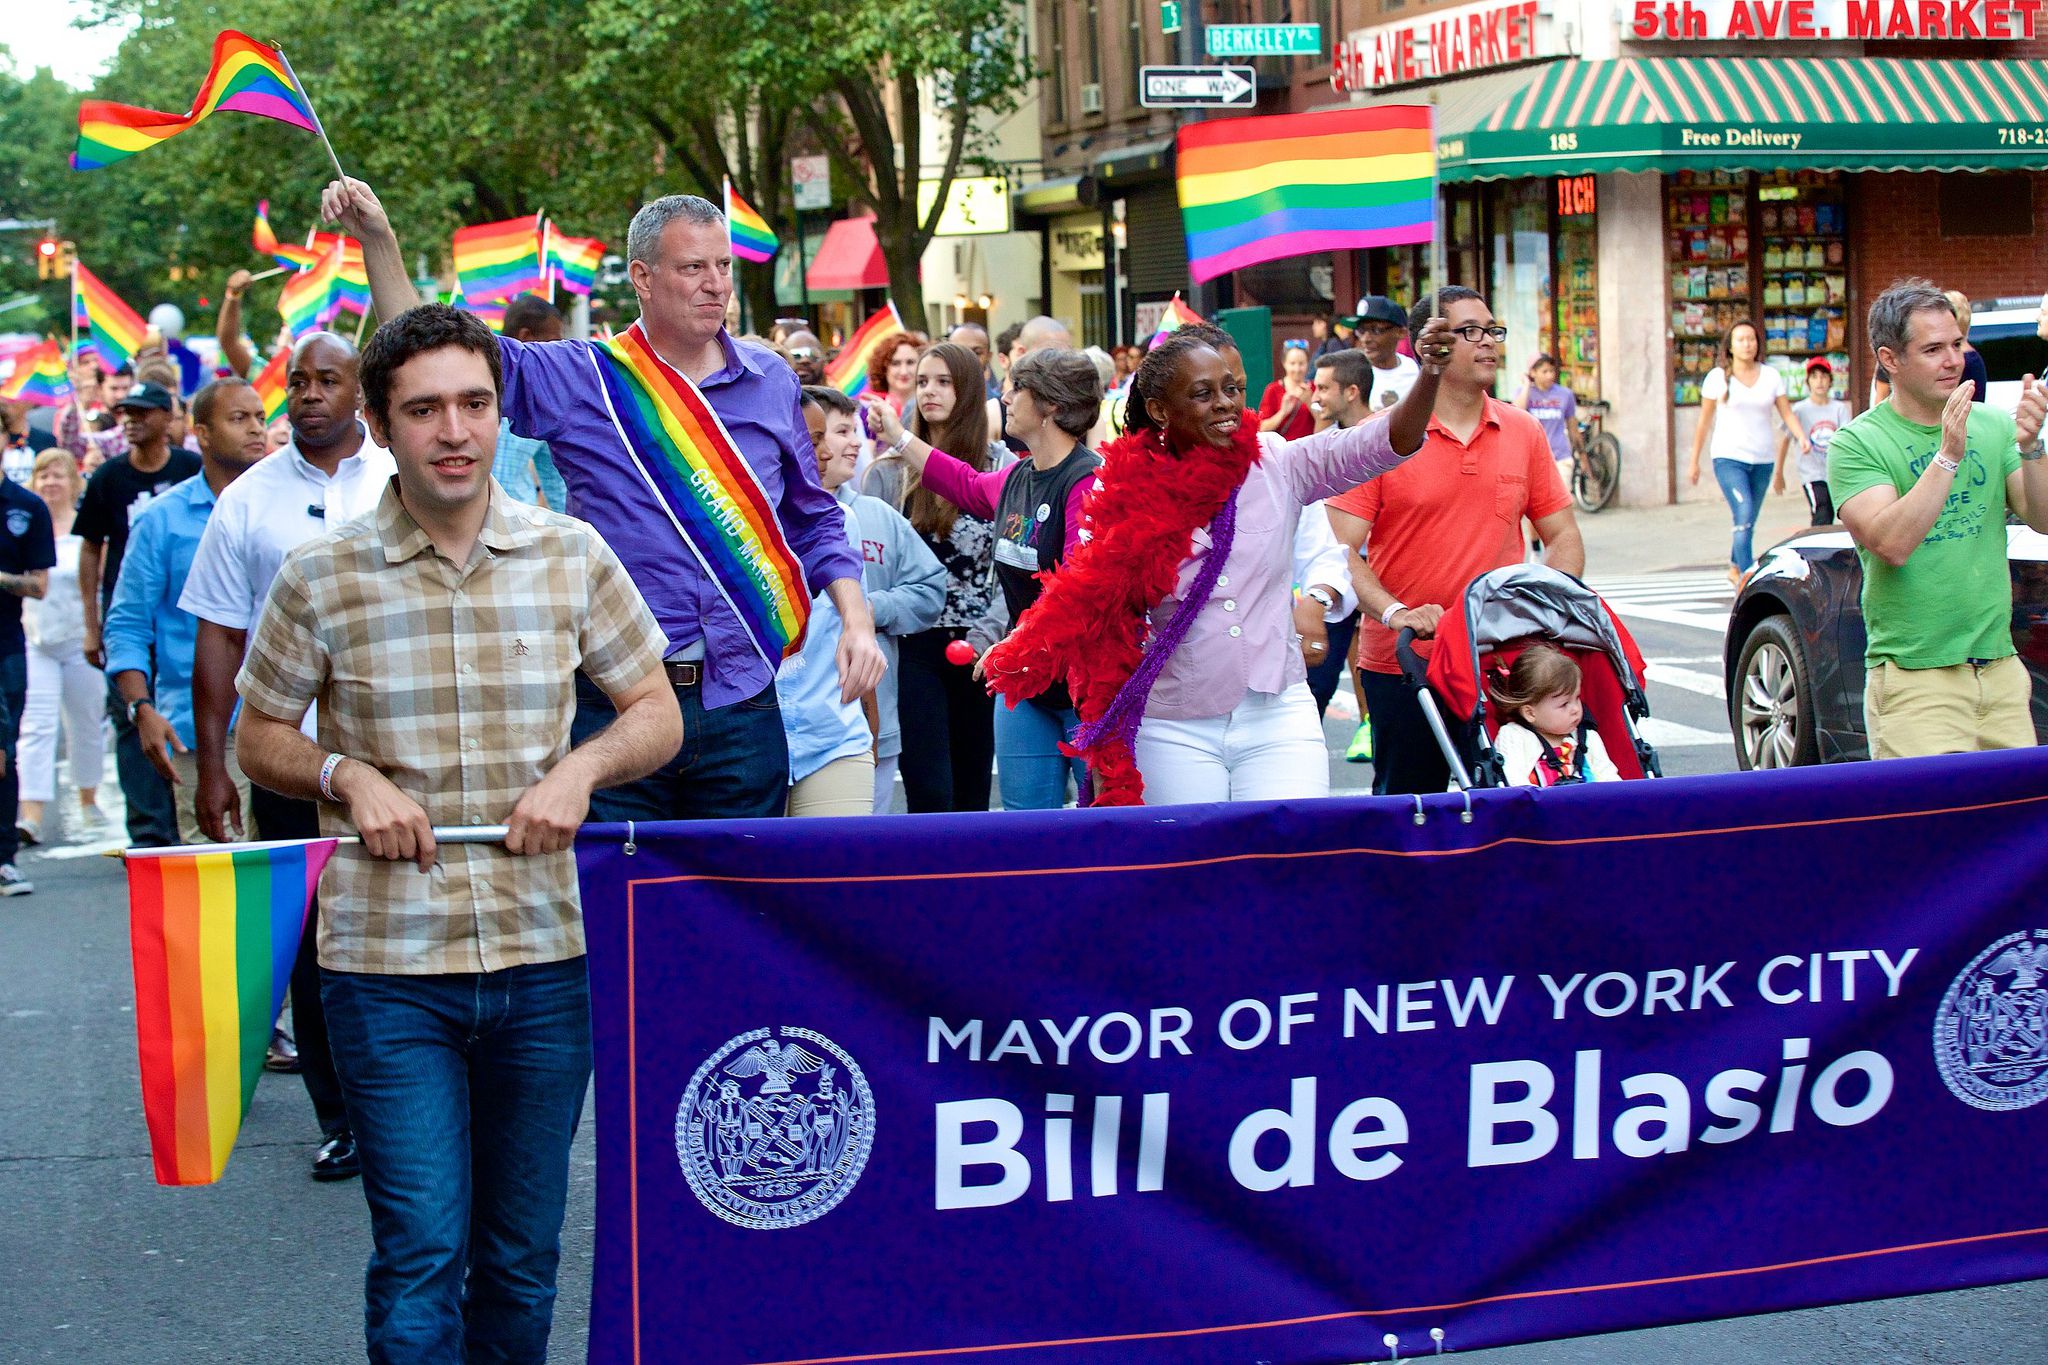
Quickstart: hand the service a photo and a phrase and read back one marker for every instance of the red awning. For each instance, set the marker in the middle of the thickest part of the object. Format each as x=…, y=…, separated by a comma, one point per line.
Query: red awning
x=849, y=258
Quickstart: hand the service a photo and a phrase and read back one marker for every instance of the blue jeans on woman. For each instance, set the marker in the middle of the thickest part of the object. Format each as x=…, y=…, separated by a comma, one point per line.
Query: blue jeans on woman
x=1031, y=770
x=464, y=1092
x=1744, y=485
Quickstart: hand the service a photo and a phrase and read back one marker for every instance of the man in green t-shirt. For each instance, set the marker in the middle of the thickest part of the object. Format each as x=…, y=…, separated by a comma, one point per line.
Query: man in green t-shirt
x=1923, y=481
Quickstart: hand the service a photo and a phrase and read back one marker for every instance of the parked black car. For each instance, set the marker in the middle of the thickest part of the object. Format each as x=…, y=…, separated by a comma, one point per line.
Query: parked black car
x=1793, y=659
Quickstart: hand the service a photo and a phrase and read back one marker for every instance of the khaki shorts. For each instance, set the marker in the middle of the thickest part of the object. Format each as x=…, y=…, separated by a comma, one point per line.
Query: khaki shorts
x=1913, y=712
x=186, y=794
x=845, y=786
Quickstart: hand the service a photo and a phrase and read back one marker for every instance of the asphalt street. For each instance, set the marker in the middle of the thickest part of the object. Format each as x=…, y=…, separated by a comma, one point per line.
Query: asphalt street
x=102, y=1265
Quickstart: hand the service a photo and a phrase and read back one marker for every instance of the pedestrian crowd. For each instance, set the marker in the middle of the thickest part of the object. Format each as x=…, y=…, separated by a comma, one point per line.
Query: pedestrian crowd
x=481, y=580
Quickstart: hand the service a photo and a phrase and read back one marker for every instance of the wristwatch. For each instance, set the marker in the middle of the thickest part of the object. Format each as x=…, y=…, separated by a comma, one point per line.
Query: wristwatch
x=137, y=705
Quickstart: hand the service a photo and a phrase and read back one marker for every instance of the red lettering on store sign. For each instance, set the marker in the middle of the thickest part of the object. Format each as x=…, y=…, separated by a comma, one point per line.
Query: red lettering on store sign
x=1962, y=19
x=1399, y=54
x=2027, y=10
x=1800, y=21
x=1863, y=18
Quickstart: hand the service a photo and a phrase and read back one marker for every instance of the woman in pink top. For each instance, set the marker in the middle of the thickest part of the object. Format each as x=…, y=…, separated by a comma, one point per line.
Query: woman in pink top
x=1180, y=664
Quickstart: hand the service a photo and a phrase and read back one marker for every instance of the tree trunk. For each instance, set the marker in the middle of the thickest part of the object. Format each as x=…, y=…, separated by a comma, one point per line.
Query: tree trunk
x=906, y=273
x=757, y=287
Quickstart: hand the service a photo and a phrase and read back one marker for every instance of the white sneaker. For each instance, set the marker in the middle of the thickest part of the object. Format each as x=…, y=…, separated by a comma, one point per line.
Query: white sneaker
x=12, y=883
x=92, y=819
x=30, y=832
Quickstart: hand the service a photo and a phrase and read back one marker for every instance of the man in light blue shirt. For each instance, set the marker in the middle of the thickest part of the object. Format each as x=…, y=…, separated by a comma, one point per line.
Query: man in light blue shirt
x=149, y=641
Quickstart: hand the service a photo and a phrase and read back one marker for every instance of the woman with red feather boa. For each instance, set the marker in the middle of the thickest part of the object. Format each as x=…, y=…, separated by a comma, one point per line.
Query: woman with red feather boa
x=1172, y=624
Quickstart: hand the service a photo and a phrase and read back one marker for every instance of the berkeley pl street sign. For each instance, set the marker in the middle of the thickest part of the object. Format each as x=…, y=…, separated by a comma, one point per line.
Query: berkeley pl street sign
x=1263, y=40
x=1176, y=87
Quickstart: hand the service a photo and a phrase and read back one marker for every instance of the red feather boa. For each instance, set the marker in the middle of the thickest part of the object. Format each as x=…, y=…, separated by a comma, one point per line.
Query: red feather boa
x=1089, y=626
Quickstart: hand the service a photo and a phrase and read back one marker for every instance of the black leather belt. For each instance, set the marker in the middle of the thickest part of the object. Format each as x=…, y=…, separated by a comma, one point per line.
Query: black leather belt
x=683, y=673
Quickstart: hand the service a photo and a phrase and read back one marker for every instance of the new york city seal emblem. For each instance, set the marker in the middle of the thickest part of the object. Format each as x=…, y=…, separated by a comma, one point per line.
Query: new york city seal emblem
x=1991, y=1032
x=775, y=1128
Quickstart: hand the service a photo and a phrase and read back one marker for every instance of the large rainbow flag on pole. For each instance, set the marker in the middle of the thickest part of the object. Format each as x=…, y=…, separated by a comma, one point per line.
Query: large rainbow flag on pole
x=1262, y=189
x=214, y=932
x=246, y=78
x=116, y=330
x=39, y=377
x=752, y=238
x=265, y=241
x=499, y=260
x=848, y=371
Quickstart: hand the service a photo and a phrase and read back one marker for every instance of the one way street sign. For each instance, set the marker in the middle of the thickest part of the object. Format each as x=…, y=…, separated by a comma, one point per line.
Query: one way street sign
x=1181, y=87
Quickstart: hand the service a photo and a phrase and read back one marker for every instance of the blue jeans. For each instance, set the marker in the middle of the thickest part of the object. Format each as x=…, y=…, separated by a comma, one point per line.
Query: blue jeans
x=464, y=1092
x=13, y=696
x=1744, y=485
x=1031, y=768
x=152, y=805
x=734, y=762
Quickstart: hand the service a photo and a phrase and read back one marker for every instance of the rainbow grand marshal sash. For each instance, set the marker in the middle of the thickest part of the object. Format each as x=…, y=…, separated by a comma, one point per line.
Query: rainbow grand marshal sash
x=710, y=492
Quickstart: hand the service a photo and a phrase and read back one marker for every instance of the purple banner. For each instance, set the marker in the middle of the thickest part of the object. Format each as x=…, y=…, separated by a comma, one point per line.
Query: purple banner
x=1273, y=1082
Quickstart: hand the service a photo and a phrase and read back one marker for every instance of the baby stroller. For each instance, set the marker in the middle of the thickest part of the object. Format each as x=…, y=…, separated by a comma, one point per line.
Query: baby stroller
x=1504, y=611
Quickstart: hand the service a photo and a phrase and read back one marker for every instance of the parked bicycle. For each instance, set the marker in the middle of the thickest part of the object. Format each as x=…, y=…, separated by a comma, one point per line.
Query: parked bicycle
x=1596, y=459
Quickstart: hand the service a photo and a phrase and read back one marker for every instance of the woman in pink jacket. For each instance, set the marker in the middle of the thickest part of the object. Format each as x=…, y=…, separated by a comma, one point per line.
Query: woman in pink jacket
x=1172, y=622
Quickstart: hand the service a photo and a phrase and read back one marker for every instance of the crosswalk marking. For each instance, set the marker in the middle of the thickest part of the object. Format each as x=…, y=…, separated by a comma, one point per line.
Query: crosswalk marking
x=1687, y=679
x=1700, y=600
x=1669, y=734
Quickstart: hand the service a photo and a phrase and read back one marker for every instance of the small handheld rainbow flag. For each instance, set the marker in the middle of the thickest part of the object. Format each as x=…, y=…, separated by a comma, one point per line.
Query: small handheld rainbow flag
x=265, y=241
x=39, y=377
x=752, y=238
x=492, y=311
x=311, y=299
x=117, y=331
x=574, y=261
x=1262, y=189
x=270, y=386
x=1176, y=316
x=214, y=932
x=848, y=371
x=498, y=260
x=352, y=286
x=246, y=78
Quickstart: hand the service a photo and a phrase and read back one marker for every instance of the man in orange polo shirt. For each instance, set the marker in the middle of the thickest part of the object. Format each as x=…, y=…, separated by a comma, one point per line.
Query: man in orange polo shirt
x=1451, y=512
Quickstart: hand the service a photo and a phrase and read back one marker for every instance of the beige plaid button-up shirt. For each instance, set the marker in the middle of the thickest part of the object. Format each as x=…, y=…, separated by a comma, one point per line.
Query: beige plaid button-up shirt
x=458, y=682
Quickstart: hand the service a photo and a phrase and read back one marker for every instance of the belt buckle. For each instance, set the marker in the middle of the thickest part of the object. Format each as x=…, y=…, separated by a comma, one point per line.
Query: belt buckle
x=684, y=672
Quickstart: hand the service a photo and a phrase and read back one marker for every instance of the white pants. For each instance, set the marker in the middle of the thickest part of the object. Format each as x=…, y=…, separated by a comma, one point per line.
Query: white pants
x=1269, y=748
x=64, y=684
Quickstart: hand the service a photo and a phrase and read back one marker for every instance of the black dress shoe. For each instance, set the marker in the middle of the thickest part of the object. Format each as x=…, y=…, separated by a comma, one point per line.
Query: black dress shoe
x=283, y=1054
x=337, y=1158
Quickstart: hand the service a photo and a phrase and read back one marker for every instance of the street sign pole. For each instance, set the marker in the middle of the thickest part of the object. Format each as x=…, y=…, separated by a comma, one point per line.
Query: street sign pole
x=1188, y=52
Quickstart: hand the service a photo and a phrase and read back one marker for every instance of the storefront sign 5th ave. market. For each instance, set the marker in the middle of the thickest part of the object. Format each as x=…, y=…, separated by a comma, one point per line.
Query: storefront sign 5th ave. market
x=1445, y=43
x=1814, y=20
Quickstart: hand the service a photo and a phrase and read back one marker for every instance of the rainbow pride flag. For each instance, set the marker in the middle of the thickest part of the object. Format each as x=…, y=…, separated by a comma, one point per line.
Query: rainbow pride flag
x=312, y=299
x=265, y=241
x=213, y=932
x=1262, y=189
x=498, y=260
x=1176, y=316
x=270, y=386
x=574, y=261
x=848, y=371
x=752, y=238
x=39, y=377
x=492, y=311
x=352, y=286
x=116, y=330
x=246, y=78
x=710, y=492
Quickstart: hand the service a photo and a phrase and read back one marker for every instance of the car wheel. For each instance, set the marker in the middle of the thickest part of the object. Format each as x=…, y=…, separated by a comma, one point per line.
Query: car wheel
x=1772, y=707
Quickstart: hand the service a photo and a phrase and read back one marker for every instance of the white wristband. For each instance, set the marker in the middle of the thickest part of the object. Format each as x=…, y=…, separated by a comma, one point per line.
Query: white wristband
x=327, y=776
x=901, y=443
x=1946, y=463
x=1387, y=616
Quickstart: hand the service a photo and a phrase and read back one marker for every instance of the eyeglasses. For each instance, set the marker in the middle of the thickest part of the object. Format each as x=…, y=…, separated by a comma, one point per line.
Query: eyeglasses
x=1475, y=334
x=804, y=353
x=1294, y=344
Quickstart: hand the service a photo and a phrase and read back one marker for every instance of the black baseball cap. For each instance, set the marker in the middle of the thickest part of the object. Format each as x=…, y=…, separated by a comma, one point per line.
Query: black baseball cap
x=1377, y=308
x=147, y=396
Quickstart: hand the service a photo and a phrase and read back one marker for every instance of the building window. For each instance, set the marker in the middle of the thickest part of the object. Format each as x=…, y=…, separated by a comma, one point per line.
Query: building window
x=1134, y=41
x=1056, y=60
x=1094, y=41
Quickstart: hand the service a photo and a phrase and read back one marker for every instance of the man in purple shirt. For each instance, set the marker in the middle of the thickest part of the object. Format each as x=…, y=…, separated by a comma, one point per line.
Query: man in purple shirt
x=734, y=759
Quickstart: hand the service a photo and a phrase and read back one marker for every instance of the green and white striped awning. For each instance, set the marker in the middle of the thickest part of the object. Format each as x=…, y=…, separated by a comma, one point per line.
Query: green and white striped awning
x=1819, y=113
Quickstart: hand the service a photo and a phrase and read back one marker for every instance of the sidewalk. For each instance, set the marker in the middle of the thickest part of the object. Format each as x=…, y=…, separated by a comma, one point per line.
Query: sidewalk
x=1691, y=535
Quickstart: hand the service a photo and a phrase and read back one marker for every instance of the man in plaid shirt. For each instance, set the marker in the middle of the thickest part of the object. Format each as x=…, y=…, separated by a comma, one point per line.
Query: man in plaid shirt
x=441, y=637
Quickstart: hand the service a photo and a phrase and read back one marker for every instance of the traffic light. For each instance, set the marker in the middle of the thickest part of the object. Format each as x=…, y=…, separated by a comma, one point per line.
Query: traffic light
x=46, y=260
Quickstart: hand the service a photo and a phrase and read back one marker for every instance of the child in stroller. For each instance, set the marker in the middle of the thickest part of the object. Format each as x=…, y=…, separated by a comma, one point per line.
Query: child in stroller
x=1505, y=612
x=1544, y=739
